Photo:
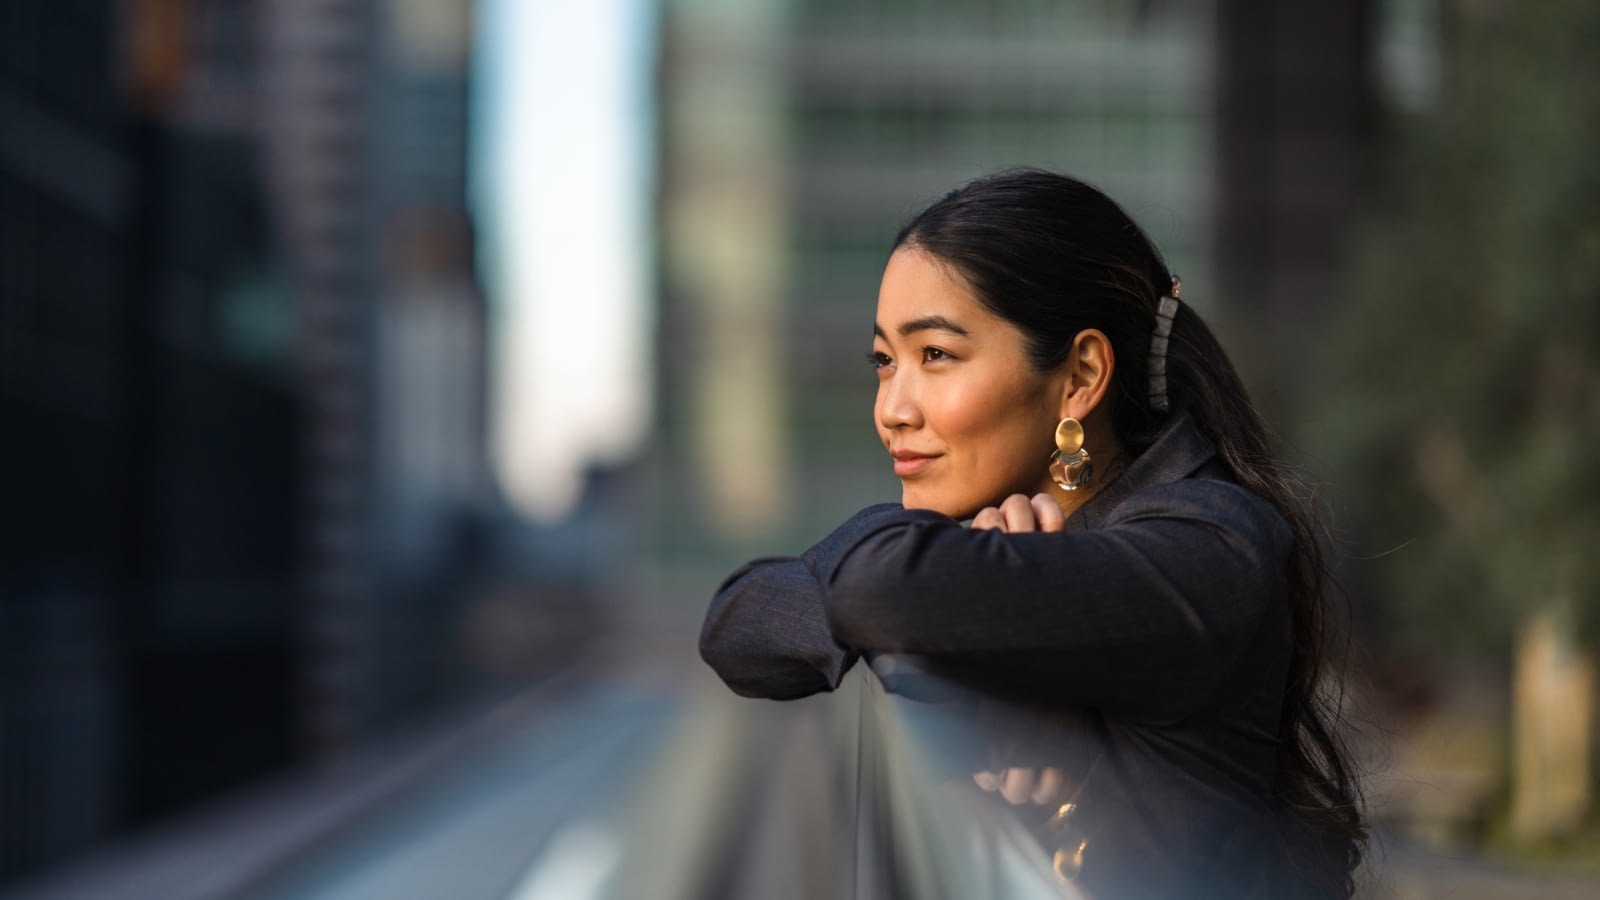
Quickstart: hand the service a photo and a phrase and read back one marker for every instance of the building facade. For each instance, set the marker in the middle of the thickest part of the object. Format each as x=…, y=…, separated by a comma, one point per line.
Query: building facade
x=242, y=387
x=798, y=137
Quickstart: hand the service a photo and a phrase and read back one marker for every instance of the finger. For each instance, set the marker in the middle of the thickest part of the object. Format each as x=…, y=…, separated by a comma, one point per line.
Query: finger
x=1048, y=513
x=988, y=519
x=1018, y=513
x=1017, y=786
x=1049, y=786
x=989, y=781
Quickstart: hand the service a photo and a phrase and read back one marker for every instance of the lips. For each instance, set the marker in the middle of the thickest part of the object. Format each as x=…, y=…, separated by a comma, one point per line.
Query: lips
x=908, y=463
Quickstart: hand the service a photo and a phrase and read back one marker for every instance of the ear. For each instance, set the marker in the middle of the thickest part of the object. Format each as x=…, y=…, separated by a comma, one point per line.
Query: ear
x=1088, y=371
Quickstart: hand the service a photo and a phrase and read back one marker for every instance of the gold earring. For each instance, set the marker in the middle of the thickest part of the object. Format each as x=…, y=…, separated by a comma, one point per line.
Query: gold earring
x=1069, y=465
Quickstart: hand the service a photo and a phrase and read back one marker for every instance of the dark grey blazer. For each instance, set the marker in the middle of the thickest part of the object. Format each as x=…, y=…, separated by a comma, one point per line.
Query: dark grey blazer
x=1155, y=628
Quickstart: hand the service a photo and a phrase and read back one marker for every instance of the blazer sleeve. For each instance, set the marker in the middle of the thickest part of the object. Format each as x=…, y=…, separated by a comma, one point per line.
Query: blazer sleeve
x=765, y=633
x=1142, y=617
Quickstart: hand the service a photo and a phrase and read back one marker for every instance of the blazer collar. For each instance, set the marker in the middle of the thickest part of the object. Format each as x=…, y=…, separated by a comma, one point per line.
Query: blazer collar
x=1178, y=452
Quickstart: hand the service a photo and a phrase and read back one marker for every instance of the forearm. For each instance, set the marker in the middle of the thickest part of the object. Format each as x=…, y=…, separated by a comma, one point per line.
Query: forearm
x=1141, y=617
x=765, y=634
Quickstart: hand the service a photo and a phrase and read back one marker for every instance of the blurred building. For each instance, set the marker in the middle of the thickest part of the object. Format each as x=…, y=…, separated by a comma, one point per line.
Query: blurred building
x=1297, y=114
x=365, y=106
x=242, y=388
x=797, y=138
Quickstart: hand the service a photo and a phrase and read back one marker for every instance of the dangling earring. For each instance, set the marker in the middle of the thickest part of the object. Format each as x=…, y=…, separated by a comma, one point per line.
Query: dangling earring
x=1069, y=465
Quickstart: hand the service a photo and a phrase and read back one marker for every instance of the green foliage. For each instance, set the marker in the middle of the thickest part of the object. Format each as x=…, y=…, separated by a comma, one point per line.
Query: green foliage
x=1463, y=408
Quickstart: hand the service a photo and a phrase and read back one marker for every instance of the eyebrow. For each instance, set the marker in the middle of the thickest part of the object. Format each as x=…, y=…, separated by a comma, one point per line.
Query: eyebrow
x=926, y=323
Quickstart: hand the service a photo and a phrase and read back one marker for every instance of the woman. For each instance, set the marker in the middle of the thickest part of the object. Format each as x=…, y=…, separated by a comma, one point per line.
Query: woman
x=1152, y=586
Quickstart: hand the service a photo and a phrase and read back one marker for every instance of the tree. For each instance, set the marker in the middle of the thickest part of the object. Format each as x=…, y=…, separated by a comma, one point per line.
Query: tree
x=1464, y=378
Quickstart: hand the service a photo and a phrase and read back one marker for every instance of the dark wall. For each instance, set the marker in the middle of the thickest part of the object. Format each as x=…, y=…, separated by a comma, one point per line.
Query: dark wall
x=147, y=464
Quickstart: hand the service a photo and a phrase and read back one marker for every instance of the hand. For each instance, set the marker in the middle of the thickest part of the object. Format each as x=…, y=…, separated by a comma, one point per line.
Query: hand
x=1019, y=786
x=1017, y=514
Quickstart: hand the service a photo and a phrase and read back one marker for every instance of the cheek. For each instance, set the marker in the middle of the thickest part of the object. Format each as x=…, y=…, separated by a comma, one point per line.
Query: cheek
x=978, y=416
x=961, y=411
x=1004, y=439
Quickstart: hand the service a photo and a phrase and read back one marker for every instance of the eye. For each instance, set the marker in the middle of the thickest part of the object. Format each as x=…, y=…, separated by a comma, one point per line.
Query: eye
x=935, y=354
x=879, y=360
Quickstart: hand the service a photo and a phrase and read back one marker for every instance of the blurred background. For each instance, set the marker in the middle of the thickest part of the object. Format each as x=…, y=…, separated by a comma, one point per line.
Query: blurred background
x=385, y=386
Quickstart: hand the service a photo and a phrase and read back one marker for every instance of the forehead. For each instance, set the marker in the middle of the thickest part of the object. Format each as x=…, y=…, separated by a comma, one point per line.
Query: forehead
x=917, y=286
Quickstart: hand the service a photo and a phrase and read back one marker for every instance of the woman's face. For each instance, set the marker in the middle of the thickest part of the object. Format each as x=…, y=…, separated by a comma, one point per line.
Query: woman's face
x=967, y=420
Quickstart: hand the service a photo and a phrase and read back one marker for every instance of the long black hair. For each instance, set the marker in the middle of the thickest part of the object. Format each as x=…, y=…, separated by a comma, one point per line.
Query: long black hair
x=1054, y=256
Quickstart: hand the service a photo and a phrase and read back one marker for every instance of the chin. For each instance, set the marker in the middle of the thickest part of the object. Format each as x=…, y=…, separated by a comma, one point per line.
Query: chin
x=948, y=507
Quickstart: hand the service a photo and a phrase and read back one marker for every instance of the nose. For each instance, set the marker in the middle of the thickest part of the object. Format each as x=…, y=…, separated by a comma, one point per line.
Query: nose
x=897, y=403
